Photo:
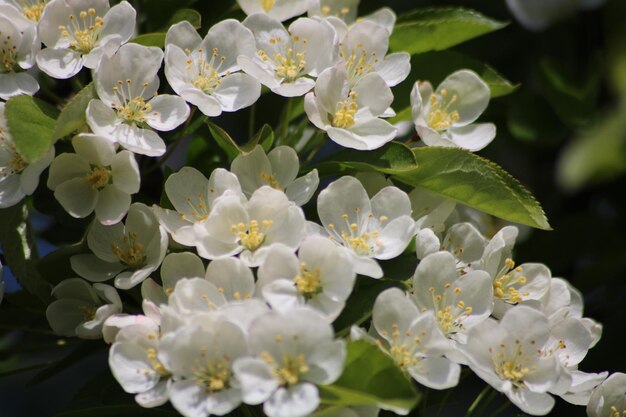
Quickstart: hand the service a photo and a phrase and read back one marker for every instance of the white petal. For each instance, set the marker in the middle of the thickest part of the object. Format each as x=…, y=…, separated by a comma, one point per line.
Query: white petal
x=473, y=137
x=256, y=379
x=65, y=167
x=59, y=63
x=125, y=172
x=395, y=68
x=297, y=401
x=77, y=197
x=472, y=95
x=94, y=149
x=237, y=91
x=112, y=206
x=168, y=112
x=437, y=373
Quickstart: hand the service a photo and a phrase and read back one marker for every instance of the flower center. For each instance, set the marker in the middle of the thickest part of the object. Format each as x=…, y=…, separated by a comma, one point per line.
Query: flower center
x=615, y=412
x=83, y=32
x=402, y=349
x=267, y=5
x=8, y=54
x=344, y=115
x=130, y=252
x=358, y=61
x=440, y=117
x=214, y=376
x=89, y=312
x=328, y=11
x=251, y=235
x=506, y=286
x=271, y=181
x=511, y=368
x=155, y=363
x=99, y=177
x=16, y=164
x=290, y=371
x=288, y=62
x=308, y=282
x=449, y=312
x=198, y=209
x=33, y=11
x=362, y=235
x=131, y=109
x=206, y=72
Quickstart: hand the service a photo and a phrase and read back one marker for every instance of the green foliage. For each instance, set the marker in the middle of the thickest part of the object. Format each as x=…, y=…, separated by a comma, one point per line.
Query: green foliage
x=393, y=157
x=31, y=123
x=264, y=137
x=190, y=15
x=72, y=116
x=151, y=39
x=436, y=29
x=371, y=378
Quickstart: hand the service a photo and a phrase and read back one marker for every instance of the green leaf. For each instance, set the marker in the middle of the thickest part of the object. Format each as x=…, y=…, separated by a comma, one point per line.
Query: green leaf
x=264, y=137
x=436, y=29
x=371, y=378
x=20, y=252
x=31, y=124
x=190, y=15
x=150, y=39
x=476, y=182
x=224, y=141
x=72, y=116
x=55, y=267
x=393, y=157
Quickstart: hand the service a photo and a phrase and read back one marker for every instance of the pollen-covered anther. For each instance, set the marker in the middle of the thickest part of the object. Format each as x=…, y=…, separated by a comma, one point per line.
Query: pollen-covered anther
x=130, y=251
x=440, y=115
x=344, y=116
x=99, y=177
x=308, y=282
x=251, y=235
x=271, y=180
x=83, y=32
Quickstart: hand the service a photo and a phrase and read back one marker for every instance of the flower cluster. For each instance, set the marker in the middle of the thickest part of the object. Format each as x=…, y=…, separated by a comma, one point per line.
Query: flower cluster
x=239, y=287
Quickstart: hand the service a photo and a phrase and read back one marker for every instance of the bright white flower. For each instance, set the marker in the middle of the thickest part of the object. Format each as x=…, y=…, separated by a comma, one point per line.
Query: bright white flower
x=205, y=71
x=286, y=60
x=18, y=46
x=200, y=357
x=413, y=340
x=134, y=363
x=341, y=13
x=232, y=278
x=609, y=399
x=250, y=228
x=30, y=10
x=292, y=353
x=115, y=323
x=127, y=85
x=380, y=228
x=193, y=198
x=321, y=276
x=175, y=266
x=129, y=252
x=508, y=356
x=351, y=115
x=81, y=308
x=363, y=50
x=193, y=296
x=277, y=9
x=458, y=301
x=278, y=169
x=78, y=34
x=446, y=116
x=95, y=178
x=17, y=177
x=537, y=15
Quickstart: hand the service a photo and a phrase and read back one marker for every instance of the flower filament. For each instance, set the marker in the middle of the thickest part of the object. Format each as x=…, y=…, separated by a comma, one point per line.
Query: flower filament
x=449, y=313
x=403, y=349
x=271, y=181
x=14, y=164
x=198, y=209
x=615, y=412
x=131, y=109
x=288, y=62
x=251, y=235
x=83, y=32
x=511, y=368
x=506, y=286
x=99, y=177
x=206, y=73
x=358, y=61
x=33, y=10
x=361, y=236
x=156, y=364
x=308, y=282
x=8, y=54
x=346, y=110
x=440, y=117
x=289, y=372
x=214, y=375
x=130, y=252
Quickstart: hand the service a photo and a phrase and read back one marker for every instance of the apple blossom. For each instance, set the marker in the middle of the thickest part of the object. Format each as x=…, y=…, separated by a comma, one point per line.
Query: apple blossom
x=18, y=46
x=277, y=9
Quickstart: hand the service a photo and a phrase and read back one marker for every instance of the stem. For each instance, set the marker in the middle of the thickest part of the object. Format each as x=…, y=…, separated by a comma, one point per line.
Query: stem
x=284, y=126
x=246, y=411
x=500, y=409
x=477, y=401
x=424, y=401
x=488, y=401
x=251, y=120
x=444, y=401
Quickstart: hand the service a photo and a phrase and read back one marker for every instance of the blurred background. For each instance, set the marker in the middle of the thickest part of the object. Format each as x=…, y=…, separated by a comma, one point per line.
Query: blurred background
x=562, y=133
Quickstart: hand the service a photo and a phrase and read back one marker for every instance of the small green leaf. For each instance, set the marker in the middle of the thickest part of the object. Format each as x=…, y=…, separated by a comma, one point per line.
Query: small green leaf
x=72, y=116
x=476, y=182
x=190, y=15
x=371, y=378
x=20, y=252
x=224, y=141
x=436, y=29
x=150, y=39
x=31, y=124
x=391, y=158
x=264, y=137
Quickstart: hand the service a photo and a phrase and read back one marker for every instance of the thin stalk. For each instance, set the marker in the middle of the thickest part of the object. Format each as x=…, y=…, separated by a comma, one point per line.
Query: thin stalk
x=444, y=401
x=477, y=401
x=284, y=125
x=493, y=394
x=251, y=121
x=424, y=402
x=246, y=411
x=500, y=409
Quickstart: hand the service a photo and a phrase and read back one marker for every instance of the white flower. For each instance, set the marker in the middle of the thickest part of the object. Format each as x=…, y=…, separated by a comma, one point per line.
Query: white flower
x=95, y=178
x=30, y=10
x=250, y=228
x=17, y=177
x=200, y=357
x=194, y=296
x=193, y=198
x=78, y=34
x=277, y=9
x=321, y=276
x=233, y=279
x=609, y=399
x=80, y=308
x=344, y=12
x=205, y=71
x=134, y=363
x=286, y=59
x=458, y=302
x=127, y=85
x=175, y=267
x=537, y=15
x=446, y=116
x=278, y=169
x=380, y=228
x=363, y=50
x=292, y=353
x=413, y=340
x=351, y=115
x=508, y=356
x=18, y=46
x=129, y=252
